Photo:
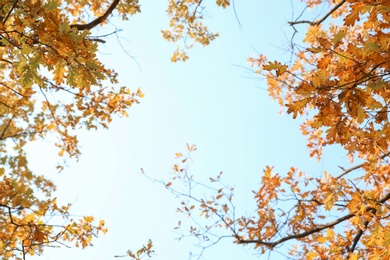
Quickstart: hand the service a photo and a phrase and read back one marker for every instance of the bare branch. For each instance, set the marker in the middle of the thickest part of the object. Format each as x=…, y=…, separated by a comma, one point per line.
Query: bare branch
x=96, y=40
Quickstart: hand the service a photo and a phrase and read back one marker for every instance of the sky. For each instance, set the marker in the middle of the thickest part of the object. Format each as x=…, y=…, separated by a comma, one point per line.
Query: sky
x=213, y=100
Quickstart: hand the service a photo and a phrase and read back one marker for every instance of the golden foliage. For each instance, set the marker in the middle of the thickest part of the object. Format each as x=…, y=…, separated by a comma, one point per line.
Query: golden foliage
x=52, y=83
x=340, y=82
x=186, y=23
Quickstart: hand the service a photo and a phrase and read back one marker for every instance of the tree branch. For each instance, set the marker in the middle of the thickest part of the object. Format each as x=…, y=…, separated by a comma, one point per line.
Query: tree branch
x=10, y=11
x=318, y=229
x=365, y=224
x=6, y=127
x=322, y=19
x=297, y=236
x=96, y=40
x=358, y=166
x=98, y=20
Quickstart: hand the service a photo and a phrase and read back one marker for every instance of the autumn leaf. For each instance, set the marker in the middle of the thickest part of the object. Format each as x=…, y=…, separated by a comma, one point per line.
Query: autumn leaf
x=223, y=3
x=39, y=236
x=276, y=66
x=337, y=37
x=352, y=17
x=377, y=85
x=372, y=46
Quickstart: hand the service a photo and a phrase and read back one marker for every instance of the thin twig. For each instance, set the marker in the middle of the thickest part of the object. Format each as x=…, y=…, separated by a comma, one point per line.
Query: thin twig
x=322, y=19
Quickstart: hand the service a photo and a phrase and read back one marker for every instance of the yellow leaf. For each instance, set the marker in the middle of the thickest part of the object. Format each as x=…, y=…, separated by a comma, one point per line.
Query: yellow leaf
x=322, y=239
x=311, y=255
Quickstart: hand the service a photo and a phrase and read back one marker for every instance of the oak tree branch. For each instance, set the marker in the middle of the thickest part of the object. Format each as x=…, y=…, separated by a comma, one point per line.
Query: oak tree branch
x=314, y=23
x=98, y=20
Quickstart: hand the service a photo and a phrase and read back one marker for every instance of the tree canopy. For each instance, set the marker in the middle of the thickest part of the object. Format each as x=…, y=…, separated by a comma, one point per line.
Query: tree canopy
x=337, y=80
x=54, y=84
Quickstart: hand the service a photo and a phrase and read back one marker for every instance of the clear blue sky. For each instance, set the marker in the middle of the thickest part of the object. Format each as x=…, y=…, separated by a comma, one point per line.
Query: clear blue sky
x=212, y=100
